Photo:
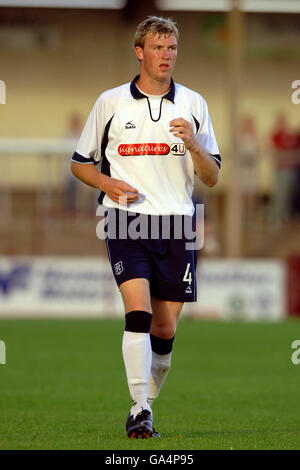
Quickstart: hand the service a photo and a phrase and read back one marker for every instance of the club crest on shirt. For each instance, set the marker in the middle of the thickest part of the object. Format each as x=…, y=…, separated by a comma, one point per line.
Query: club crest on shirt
x=118, y=267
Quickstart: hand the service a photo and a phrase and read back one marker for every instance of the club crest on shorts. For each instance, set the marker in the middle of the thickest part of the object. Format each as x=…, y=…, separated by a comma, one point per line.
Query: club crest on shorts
x=119, y=268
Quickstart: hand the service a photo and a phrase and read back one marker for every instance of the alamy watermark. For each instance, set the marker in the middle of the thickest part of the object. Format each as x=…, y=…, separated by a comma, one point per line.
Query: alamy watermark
x=295, y=97
x=2, y=352
x=125, y=224
x=296, y=354
x=2, y=92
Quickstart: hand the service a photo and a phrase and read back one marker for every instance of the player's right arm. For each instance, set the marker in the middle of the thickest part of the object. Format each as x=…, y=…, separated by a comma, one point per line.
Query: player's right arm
x=88, y=154
x=114, y=188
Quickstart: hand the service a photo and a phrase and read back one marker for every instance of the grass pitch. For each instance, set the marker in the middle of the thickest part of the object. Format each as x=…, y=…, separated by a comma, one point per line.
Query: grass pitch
x=231, y=386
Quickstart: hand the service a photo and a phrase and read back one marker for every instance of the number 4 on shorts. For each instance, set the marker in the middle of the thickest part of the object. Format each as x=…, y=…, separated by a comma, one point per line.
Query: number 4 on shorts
x=188, y=275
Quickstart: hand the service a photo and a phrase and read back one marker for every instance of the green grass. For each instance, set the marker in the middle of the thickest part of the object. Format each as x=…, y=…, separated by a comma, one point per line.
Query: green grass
x=231, y=386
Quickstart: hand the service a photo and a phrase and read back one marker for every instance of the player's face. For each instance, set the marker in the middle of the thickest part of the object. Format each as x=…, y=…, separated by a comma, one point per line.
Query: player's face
x=158, y=56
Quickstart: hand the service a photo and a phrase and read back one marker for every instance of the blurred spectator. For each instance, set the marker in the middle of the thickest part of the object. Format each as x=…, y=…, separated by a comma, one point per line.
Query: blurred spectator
x=71, y=183
x=284, y=143
x=248, y=157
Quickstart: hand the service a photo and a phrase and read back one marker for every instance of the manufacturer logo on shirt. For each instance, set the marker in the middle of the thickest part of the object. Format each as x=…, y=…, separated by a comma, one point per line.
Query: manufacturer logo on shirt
x=130, y=125
x=143, y=149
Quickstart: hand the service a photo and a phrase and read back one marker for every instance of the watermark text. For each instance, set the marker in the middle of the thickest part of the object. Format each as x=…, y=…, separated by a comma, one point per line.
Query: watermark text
x=2, y=92
x=124, y=225
x=296, y=354
x=295, y=97
x=2, y=352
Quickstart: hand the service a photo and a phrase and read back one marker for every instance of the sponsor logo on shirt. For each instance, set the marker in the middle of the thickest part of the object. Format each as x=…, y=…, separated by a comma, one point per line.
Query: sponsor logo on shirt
x=143, y=149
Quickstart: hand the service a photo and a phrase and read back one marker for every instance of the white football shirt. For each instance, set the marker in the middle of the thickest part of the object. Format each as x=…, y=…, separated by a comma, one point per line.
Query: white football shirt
x=127, y=132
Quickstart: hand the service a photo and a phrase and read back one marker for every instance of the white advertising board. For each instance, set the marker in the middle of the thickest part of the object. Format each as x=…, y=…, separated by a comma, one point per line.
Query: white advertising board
x=241, y=289
x=84, y=287
x=58, y=287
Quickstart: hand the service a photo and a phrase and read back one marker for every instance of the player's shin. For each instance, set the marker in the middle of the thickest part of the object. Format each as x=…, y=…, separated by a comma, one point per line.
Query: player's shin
x=161, y=363
x=137, y=355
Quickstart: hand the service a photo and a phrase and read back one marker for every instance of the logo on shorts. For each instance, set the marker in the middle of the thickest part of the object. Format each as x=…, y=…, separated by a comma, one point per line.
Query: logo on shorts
x=188, y=290
x=118, y=267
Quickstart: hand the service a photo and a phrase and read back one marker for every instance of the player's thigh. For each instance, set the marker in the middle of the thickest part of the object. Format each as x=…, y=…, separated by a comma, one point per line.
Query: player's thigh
x=165, y=315
x=136, y=295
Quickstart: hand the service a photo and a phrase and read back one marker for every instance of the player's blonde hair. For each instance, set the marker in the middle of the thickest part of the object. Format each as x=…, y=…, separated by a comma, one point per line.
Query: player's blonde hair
x=154, y=25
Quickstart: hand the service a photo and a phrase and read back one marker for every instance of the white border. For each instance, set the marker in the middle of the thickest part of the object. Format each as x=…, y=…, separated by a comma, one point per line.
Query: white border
x=259, y=6
x=108, y=4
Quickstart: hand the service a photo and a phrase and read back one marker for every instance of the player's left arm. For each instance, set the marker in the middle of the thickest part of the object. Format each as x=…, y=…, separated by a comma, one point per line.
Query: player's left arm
x=205, y=166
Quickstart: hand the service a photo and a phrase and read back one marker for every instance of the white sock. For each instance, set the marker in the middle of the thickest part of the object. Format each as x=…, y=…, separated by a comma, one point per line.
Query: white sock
x=160, y=367
x=137, y=355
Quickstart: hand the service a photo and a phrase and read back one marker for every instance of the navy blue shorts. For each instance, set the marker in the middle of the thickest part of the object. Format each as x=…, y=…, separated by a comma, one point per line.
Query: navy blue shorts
x=153, y=252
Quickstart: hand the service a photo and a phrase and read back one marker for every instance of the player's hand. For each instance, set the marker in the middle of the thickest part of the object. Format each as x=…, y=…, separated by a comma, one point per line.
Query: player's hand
x=119, y=191
x=184, y=130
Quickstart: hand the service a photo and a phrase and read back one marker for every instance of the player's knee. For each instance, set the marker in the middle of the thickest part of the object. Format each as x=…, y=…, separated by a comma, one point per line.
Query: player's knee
x=138, y=307
x=166, y=332
x=163, y=330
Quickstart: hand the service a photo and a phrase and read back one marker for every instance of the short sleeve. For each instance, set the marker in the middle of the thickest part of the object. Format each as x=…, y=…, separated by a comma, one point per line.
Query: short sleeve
x=205, y=134
x=88, y=149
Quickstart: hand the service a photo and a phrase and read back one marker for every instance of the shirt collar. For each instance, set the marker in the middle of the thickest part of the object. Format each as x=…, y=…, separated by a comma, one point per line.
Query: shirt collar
x=137, y=94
